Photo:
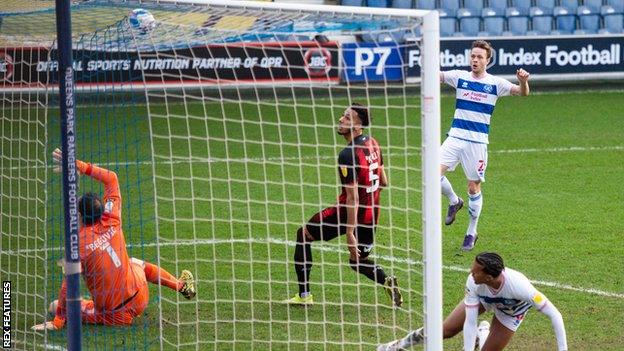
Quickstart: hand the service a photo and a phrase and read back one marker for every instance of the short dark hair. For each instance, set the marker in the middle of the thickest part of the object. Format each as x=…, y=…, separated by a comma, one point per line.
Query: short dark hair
x=492, y=263
x=90, y=208
x=362, y=112
x=483, y=45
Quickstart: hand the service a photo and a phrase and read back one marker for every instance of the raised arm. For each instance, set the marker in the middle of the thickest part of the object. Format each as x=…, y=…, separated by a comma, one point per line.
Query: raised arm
x=522, y=88
x=112, y=194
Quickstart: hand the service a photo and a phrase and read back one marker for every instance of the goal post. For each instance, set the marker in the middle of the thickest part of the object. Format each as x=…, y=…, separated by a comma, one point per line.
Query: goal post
x=220, y=122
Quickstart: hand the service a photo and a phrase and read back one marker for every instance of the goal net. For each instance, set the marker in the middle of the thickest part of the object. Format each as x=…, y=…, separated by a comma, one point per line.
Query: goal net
x=220, y=120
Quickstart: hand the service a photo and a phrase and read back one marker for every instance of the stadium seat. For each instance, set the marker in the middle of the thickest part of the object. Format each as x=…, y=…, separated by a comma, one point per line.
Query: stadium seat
x=565, y=20
x=474, y=5
x=426, y=4
x=493, y=22
x=546, y=5
x=570, y=5
x=352, y=2
x=618, y=5
x=518, y=23
x=448, y=24
x=402, y=4
x=499, y=5
x=589, y=21
x=594, y=5
x=541, y=22
x=522, y=5
x=450, y=6
x=613, y=21
x=469, y=22
x=377, y=3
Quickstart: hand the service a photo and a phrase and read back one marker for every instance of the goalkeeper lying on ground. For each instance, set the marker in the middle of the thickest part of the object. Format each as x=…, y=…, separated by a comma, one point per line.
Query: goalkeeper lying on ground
x=117, y=283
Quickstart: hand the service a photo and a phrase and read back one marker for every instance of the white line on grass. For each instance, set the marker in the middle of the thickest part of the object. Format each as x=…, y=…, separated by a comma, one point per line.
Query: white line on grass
x=333, y=248
x=281, y=159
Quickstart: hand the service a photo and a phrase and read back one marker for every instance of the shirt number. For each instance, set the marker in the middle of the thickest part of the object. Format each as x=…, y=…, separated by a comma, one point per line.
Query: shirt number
x=373, y=177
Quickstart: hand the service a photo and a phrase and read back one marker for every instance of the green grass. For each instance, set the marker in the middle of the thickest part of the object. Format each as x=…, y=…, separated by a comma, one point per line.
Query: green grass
x=551, y=211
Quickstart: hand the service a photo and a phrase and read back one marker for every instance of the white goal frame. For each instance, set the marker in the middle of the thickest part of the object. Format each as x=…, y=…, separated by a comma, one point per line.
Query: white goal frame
x=430, y=122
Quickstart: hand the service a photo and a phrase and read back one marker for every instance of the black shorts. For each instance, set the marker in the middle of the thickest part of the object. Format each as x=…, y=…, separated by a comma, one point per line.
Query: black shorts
x=330, y=222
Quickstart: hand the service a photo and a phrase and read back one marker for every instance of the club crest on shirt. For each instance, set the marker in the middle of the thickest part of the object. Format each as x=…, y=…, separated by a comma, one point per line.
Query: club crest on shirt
x=108, y=207
x=487, y=88
x=343, y=170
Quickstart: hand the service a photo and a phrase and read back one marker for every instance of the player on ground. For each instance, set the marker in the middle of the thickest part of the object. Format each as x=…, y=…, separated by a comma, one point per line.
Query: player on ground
x=491, y=287
x=361, y=171
x=477, y=92
x=117, y=283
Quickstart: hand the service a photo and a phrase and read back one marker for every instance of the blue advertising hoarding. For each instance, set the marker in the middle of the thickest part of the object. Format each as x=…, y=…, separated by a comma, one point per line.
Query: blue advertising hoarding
x=367, y=62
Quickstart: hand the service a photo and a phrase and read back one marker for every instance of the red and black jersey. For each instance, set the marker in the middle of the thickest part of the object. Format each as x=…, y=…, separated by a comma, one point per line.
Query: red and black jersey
x=361, y=162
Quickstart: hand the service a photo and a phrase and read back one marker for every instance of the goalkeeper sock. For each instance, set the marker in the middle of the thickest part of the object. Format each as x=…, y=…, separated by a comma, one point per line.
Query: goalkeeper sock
x=303, y=263
x=447, y=190
x=156, y=275
x=368, y=268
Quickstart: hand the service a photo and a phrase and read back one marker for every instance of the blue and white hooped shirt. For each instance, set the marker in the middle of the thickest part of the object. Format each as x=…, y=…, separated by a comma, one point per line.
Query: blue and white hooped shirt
x=475, y=103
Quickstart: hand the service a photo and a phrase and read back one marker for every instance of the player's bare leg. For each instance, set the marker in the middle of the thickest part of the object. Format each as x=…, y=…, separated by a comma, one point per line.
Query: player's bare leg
x=499, y=336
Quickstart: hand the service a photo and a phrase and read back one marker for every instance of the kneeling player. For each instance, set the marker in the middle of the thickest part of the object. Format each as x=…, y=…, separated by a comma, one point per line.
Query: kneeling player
x=491, y=287
x=117, y=283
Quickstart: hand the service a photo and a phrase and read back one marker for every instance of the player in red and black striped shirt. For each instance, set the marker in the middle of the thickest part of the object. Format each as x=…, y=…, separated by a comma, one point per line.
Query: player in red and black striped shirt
x=361, y=171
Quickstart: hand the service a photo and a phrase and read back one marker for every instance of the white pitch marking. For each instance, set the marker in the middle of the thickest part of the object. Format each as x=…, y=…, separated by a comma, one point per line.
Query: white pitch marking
x=281, y=159
x=327, y=247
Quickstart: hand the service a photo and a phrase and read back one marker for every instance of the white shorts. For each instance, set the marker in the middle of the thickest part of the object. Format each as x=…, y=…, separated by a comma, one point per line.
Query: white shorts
x=472, y=156
x=510, y=322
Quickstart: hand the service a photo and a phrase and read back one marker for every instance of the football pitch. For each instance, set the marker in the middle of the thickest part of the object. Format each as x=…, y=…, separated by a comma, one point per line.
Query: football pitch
x=552, y=209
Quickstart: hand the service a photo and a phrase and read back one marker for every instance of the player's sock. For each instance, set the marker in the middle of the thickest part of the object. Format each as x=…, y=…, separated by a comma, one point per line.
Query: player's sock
x=413, y=338
x=475, y=202
x=447, y=190
x=157, y=275
x=368, y=268
x=303, y=263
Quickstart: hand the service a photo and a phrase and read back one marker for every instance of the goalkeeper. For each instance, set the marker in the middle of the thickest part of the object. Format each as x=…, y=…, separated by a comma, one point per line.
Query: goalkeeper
x=117, y=283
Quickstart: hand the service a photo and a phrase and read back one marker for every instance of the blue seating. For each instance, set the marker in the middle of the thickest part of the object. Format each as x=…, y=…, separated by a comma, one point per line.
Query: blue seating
x=448, y=24
x=594, y=5
x=469, y=22
x=450, y=6
x=613, y=21
x=352, y=2
x=474, y=5
x=499, y=5
x=377, y=3
x=426, y=4
x=522, y=5
x=518, y=22
x=493, y=22
x=541, y=22
x=546, y=5
x=589, y=21
x=565, y=20
x=570, y=5
x=618, y=5
x=402, y=4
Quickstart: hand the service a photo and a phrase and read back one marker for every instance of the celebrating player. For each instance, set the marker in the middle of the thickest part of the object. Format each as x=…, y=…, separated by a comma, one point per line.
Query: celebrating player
x=491, y=287
x=477, y=92
x=361, y=171
x=117, y=283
